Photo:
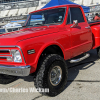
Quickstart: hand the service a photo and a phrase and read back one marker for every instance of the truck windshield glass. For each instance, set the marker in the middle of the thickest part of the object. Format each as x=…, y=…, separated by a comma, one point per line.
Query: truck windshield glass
x=52, y=16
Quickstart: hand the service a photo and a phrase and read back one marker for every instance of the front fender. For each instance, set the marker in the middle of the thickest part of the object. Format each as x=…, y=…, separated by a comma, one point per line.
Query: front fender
x=39, y=46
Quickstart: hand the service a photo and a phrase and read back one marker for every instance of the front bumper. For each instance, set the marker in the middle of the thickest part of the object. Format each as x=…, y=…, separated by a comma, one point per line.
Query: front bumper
x=15, y=70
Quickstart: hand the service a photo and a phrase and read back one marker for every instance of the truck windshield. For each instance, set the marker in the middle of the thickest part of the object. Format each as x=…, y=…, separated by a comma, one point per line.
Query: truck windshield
x=52, y=16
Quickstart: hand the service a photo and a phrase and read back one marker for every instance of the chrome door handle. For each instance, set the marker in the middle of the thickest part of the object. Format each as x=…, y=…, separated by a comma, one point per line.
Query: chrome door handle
x=88, y=27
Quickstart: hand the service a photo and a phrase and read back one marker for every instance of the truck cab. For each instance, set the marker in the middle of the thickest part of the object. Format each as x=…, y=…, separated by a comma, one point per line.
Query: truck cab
x=81, y=35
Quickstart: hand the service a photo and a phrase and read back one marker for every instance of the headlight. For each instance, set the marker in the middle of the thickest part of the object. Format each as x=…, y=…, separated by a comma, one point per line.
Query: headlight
x=16, y=56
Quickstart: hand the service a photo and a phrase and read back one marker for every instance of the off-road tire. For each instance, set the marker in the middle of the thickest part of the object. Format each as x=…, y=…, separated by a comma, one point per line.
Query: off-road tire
x=98, y=52
x=6, y=79
x=42, y=78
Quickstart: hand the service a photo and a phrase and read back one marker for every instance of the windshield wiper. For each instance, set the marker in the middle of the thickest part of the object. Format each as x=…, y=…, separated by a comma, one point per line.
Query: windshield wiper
x=38, y=24
x=27, y=26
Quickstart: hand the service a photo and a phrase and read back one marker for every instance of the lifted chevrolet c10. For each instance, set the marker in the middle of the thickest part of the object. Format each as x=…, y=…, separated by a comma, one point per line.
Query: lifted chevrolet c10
x=48, y=38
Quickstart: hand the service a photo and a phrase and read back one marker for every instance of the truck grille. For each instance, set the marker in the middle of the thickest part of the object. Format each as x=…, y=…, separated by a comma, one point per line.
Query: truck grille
x=3, y=58
x=5, y=52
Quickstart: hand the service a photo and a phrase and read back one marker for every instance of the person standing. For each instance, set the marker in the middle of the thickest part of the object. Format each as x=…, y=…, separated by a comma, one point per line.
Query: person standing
x=96, y=17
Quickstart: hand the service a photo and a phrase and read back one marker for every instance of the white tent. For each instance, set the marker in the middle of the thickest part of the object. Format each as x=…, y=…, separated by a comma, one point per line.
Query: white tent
x=12, y=25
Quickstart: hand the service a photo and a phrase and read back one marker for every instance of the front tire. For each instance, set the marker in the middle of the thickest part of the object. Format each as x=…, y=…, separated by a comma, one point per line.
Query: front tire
x=52, y=75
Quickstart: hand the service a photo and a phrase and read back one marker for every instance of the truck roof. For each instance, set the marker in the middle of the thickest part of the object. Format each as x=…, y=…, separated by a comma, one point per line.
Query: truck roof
x=68, y=5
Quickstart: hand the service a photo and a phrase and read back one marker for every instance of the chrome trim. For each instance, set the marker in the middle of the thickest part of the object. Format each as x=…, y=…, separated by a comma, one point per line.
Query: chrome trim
x=88, y=27
x=75, y=23
x=31, y=51
x=70, y=16
x=6, y=58
x=9, y=46
x=15, y=70
x=64, y=14
x=46, y=10
x=21, y=53
x=17, y=47
x=69, y=12
x=55, y=75
x=80, y=59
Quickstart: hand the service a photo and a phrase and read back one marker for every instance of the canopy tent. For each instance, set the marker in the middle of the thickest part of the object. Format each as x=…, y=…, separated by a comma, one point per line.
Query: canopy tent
x=62, y=2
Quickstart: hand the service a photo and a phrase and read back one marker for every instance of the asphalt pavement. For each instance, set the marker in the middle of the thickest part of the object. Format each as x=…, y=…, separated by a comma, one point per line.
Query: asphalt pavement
x=83, y=83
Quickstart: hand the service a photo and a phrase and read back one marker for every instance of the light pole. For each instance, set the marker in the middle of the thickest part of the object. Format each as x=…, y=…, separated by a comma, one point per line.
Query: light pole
x=82, y=2
x=92, y=2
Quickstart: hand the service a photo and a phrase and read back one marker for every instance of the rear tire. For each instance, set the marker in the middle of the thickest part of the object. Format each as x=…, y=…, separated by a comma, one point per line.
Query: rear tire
x=52, y=75
x=98, y=52
x=5, y=79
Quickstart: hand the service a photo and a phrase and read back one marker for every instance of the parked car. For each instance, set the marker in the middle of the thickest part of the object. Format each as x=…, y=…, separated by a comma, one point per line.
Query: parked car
x=9, y=29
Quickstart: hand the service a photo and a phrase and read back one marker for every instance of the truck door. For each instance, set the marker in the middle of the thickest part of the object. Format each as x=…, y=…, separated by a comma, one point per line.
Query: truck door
x=81, y=36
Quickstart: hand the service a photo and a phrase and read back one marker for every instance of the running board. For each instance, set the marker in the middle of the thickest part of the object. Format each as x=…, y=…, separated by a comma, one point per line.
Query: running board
x=80, y=59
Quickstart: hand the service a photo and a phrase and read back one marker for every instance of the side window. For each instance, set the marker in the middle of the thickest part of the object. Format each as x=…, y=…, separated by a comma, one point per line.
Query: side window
x=76, y=14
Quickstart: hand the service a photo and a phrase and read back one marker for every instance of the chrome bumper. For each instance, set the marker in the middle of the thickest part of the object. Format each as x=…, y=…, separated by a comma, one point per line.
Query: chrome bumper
x=15, y=70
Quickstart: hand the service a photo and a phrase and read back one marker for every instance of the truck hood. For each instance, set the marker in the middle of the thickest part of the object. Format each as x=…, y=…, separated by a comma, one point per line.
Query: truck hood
x=13, y=37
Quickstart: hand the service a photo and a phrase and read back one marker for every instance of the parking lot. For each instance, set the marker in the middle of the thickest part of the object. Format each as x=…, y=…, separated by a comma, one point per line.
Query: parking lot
x=83, y=83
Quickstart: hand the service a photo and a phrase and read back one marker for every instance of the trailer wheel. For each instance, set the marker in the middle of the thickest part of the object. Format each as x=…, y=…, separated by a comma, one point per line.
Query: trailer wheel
x=52, y=75
x=5, y=79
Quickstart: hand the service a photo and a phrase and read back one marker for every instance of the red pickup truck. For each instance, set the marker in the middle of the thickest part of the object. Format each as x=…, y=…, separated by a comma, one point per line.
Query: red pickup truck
x=49, y=37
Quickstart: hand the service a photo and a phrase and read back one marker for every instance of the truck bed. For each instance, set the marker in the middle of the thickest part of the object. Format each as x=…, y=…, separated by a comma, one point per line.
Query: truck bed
x=94, y=23
x=95, y=27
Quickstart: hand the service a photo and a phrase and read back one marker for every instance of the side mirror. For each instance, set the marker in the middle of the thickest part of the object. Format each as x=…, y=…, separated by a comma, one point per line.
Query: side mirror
x=75, y=23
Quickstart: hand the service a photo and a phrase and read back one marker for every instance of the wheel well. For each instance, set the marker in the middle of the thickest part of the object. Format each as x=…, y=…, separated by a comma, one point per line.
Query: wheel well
x=53, y=49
